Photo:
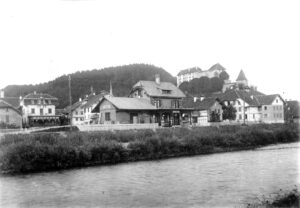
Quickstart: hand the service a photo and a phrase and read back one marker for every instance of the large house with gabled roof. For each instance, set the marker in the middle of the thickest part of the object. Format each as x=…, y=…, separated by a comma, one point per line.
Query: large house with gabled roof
x=187, y=75
x=38, y=109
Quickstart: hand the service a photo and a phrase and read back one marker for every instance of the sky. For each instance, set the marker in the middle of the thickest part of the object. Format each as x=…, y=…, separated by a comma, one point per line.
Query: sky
x=41, y=40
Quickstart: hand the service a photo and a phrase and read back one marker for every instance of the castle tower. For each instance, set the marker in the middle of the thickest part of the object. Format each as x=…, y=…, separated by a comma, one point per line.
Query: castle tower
x=241, y=79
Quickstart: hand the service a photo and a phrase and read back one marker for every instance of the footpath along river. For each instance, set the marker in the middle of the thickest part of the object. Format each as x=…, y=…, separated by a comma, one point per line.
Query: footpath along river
x=217, y=180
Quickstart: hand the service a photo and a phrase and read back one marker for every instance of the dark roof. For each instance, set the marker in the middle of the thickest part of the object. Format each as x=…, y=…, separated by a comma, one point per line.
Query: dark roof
x=93, y=100
x=155, y=90
x=14, y=101
x=205, y=104
x=267, y=99
x=126, y=103
x=74, y=106
x=241, y=76
x=39, y=95
x=190, y=70
x=4, y=104
x=217, y=66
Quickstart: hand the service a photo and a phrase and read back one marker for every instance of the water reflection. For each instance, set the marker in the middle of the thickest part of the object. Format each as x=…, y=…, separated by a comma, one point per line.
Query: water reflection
x=225, y=179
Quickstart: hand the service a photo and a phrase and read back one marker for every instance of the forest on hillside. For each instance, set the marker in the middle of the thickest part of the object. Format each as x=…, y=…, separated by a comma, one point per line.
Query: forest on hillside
x=122, y=79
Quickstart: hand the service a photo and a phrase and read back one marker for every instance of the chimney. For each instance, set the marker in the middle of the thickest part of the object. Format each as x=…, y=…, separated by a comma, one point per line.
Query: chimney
x=157, y=79
x=1, y=93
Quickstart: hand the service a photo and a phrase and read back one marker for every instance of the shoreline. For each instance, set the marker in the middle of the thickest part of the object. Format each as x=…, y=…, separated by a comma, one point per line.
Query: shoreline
x=52, y=152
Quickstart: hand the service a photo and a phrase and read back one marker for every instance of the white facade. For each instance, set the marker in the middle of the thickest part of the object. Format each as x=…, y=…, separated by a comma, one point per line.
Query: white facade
x=187, y=77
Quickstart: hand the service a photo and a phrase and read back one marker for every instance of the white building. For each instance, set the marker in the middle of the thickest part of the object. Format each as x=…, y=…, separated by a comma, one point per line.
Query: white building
x=38, y=109
x=196, y=72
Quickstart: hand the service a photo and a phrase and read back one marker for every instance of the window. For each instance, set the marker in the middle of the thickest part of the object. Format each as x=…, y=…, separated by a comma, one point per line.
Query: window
x=253, y=116
x=81, y=112
x=46, y=101
x=41, y=111
x=49, y=110
x=76, y=112
x=107, y=116
x=276, y=100
x=76, y=119
x=157, y=103
x=266, y=108
x=7, y=118
x=246, y=116
x=81, y=119
x=279, y=115
x=240, y=117
x=238, y=102
x=240, y=109
x=166, y=92
x=32, y=110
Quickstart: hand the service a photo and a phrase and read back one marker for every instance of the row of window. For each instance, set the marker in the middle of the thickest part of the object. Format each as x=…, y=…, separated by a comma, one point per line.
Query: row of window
x=41, y=111
x=33, y=102
x=79, y=119
x=76, y=113
x=277, y=107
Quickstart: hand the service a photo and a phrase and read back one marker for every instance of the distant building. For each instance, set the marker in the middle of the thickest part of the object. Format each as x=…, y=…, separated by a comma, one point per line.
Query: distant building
x=9, y=115
x=204, y=110
x=292, y=112
x=38, y=109
x=241, y=81
x=196, y=72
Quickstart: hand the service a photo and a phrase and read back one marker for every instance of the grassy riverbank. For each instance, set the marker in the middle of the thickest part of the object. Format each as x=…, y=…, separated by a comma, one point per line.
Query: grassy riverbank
x=281, y=199
x=53, y=151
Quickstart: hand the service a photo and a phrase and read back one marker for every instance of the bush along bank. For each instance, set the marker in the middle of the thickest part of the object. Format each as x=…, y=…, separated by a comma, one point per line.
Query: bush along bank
x=24, y=153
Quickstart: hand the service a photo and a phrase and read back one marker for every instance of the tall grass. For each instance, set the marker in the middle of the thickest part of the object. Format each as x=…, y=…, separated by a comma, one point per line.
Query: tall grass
x=52, y=151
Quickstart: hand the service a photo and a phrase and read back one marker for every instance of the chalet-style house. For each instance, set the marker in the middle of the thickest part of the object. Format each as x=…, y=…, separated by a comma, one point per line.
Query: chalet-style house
x=38, y=109
x=124, y=110
x=196, y=72
x=204, y=110
x=148, y=102
x=10, y=117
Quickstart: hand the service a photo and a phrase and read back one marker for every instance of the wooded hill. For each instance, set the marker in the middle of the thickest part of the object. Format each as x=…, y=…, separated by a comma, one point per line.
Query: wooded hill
x=122, y=79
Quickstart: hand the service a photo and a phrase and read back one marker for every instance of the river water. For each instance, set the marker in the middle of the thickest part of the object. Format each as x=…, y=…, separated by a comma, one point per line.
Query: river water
x=217, y=180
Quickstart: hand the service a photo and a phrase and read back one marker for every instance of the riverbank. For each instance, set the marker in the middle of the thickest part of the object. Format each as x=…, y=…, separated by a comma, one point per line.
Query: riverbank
x=281, y=199
x=52, y=151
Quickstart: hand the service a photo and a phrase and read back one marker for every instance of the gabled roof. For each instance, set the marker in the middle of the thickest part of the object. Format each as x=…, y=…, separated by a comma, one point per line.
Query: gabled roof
x=190, y=70
x=205, y=104
x=216, y=66
x=126, y=103
x=4, y=104
x=155, y=90
x=74, y=106
x=241, y=76
x=14, y=101
x=267, y=99
x=93, y=100
x=39, y=95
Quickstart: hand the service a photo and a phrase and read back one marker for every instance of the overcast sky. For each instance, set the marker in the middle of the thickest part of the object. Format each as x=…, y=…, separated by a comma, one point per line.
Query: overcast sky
x=41, y=40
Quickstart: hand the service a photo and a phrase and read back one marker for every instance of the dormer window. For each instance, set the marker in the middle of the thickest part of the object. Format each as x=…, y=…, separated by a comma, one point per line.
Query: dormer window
x=166, y=92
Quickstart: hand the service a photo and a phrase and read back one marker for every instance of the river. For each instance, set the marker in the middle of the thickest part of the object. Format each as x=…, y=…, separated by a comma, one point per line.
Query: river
x=216, y=180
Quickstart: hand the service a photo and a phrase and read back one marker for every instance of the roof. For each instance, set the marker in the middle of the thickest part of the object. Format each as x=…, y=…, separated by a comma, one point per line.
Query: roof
x=205, y=104
x=4, y=104
x=39, y=95
x=216, y=66
x=14, y=101
x=125, y=103
x=241, y=76
x=190, y=70
x=93, y=100
x=155, y=90
x=267, y=99
x=74, y=106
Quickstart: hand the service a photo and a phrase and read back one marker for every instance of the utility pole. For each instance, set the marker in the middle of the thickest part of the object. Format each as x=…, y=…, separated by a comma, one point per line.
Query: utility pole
x=70, y=103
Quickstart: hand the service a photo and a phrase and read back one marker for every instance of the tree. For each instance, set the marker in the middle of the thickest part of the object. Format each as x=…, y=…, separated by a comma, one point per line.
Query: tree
x=224, y=76
x=229, y=112
x=216, y=84
x=214, y=116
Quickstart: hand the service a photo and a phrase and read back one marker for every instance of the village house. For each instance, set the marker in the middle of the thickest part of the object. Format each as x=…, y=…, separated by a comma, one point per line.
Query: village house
x=38, y=109
x=196, y=72
x=254, y=107
x=167, y=99
x=124, y=110
x=241, y=81
x=204, y=110
x=10, y=117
